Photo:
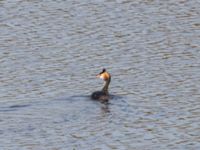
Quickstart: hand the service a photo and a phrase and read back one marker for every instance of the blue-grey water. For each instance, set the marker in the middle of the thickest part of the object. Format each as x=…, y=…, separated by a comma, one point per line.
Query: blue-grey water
x=51, y=51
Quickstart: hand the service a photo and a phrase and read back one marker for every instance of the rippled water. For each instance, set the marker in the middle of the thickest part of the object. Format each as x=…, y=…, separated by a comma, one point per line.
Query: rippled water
x=50, y=52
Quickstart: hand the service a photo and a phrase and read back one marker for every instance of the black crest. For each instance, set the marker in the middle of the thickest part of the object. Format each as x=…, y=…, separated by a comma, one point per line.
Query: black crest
x=104, y=70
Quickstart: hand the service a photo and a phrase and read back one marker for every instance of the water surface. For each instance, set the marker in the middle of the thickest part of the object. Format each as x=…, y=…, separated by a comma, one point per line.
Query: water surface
x=50, y=52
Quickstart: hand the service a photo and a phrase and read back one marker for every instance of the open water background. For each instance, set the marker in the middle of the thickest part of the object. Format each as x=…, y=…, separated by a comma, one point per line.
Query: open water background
x=51, y=50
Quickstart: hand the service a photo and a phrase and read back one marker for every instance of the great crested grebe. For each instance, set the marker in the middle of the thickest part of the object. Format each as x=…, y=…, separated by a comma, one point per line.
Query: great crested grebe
x=103, y=95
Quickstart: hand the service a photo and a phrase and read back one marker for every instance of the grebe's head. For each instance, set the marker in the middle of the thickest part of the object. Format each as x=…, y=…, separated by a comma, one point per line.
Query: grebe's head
x=104, y=75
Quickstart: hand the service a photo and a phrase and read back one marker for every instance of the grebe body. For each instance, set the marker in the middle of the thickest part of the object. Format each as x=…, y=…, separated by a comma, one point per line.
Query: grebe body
x=100, y=95
x=103, y=95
